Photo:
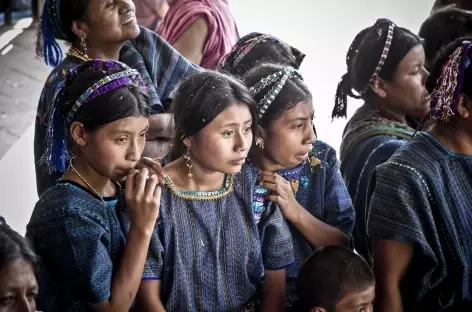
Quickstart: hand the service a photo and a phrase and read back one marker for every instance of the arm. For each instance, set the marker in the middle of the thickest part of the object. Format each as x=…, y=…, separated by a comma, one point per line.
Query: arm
x=391, y=260
x=191, y=43
x=273, y=293
x=149, y=296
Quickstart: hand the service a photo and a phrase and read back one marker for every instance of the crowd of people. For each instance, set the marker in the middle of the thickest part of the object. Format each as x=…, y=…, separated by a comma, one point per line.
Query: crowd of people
x=178, y=168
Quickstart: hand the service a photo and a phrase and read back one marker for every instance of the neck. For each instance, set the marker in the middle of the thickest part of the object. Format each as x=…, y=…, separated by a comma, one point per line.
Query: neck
x=202, y=180
x=385, y=111
x=453, y=137
x=105, y=52
x=99, y=183
x=263, y=162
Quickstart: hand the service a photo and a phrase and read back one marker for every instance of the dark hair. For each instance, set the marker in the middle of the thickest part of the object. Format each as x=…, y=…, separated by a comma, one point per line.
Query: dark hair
x=200, y=99
x=330, y=274
x=270, y=49
x=13, y=247
x=125, y=101
x=363, y=57
x=293, y=92
x=461, y=4
x=70, y=11
x=442, y=28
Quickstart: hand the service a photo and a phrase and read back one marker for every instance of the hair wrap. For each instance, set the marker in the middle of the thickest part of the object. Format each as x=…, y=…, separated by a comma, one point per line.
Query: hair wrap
x=445, y=96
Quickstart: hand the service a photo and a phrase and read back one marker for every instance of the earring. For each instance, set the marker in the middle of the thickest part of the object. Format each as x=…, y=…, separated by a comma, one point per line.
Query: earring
x=260, y=143
x=83, y=45
x=188, y=163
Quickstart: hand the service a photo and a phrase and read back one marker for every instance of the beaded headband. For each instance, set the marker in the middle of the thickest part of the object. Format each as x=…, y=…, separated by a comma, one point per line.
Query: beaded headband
x=383, y=58
x=102, y=86
x=278, y=81
x=445, y=96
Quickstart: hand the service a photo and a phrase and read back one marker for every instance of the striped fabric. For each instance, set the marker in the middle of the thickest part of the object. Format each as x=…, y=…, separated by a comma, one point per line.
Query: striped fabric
x=161, y=67
x=79, y=242
x=320, y=189
x=423, y=196
x=209, y=254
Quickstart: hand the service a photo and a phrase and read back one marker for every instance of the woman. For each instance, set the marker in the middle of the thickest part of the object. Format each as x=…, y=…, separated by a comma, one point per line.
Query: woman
x=385, y=68
x=207, y=252
x=203, y=31
x=420, y=202
x=296, y=171
x=87, y=264
x=18, y=262
x=105, y=30
x=256, y=48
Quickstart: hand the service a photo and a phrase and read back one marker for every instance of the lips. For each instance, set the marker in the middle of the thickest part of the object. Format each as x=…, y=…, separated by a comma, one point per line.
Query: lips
x=129, y=20
x=239, y=161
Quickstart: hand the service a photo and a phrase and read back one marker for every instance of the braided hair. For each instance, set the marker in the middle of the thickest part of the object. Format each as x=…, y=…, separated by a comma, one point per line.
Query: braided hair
x=364, y=56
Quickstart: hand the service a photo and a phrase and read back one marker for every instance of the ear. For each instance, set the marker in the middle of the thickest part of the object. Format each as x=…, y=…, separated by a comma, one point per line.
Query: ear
x=464, y=106
x=379, y=87
x=78, y=133
x=262, y=133
x=80, y=29
x=187, y=142
x=318, y=309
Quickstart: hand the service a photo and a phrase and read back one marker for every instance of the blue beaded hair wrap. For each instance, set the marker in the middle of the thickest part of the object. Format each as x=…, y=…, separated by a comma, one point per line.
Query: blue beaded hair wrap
x=50, y=30
x=446, y=95
x=277, y=81
x=56, y=155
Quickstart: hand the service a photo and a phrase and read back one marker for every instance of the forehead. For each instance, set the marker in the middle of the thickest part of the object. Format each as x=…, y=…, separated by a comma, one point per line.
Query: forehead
x=128, y=124
x=236, y=113
x=302, y=110
x=414, y=57
x=357, y=299
x=16, y=274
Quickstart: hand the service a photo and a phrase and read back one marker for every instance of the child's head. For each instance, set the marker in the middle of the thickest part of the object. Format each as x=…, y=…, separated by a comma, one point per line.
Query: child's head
x=213, y=116
x=256, y=48
x=443, y=27
x=285, y=133
x=18, y=286
x=385, y=67
x=100, y=115
x=335, y=279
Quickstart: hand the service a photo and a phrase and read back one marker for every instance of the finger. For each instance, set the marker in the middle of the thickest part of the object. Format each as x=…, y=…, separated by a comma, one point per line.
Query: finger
x=157, y=192
x=130, y=183
x=141, y=182
x=153, y=165
x=270, y=186
x=151, y=184
x=276, y=199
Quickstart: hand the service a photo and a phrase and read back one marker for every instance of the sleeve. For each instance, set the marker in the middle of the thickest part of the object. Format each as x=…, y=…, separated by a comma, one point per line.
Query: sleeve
x=339, y=211
x=76, y=244
x=276, y=239
x=154, y=264
x=399, y=206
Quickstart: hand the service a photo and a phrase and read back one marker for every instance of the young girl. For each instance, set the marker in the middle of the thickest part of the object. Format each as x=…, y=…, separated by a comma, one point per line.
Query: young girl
x=207, y=253
x=18, y=262
x=101, y=116
x=297, y=172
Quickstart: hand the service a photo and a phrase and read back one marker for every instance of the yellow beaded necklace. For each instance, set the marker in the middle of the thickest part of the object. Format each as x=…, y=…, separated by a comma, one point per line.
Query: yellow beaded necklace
x=78, y=54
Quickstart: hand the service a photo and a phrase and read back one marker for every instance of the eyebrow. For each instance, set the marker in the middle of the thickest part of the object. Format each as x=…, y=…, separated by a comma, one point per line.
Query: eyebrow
x=235, y=123
x=128, y=132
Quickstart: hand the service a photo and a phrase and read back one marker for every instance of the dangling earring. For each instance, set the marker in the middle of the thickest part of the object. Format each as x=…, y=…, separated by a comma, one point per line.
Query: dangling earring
x=189, y=163
x=260, y=143
x=83, y=46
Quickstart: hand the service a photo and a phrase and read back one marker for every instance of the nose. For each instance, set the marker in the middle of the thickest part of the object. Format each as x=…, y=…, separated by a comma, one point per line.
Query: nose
x=126, y=6
x=243, y=141
x=24, y=305
x=310, y=135
x=135, y=150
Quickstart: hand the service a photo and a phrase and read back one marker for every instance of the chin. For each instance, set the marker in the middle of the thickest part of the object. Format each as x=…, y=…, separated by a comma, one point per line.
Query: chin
x=232, y=169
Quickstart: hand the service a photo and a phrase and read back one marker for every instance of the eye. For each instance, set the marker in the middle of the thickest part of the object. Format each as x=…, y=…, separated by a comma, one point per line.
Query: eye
x=298, y=126
x=228, y=133
x=248, y=129
x=5, y=301
x=122, y=140
x=142, y=135
x=110, y=4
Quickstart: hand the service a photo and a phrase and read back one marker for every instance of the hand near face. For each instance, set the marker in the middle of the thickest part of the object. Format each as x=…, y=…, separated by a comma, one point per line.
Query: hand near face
x=282, y=193
x=155, y=168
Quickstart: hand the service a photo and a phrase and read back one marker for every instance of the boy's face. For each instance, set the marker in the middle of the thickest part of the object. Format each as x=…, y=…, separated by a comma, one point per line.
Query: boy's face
x=357, y=302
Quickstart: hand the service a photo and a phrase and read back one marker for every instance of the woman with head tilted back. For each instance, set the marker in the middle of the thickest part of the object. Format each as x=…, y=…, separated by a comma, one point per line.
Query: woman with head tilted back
x=99, y=29
x=385, y=68
x=420, y=199
x=96, y=136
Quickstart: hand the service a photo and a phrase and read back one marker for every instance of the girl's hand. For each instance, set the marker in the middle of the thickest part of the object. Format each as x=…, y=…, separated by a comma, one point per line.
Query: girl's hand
x=155, y=168
x=282, y=194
